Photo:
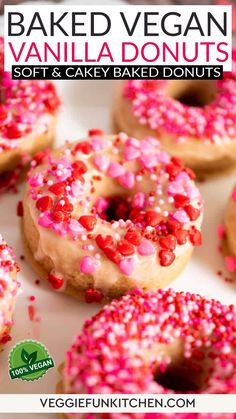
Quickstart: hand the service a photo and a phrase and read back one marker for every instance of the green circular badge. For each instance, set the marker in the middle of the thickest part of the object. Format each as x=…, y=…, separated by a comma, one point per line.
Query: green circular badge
x=29, y=360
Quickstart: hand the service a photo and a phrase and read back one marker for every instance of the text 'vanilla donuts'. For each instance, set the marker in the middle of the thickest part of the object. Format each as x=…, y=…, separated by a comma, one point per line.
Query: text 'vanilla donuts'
x=161, y=342
x=110, y=213
x=27, y=120
x=9, y=289
x=193, y=119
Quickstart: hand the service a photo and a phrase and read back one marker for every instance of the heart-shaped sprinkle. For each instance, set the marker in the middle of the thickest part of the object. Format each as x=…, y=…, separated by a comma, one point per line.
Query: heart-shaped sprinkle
x=104, y=241
x=115, y=169
x=125, y=248
x=146, y=248
x=127, y=266
x=44, y=203
x=93, y=296
x=133, y=237
x=131, y=153
x=88, y=222
x=167, y=257
x=101, y=162
x=127, y=180
x=89, y=265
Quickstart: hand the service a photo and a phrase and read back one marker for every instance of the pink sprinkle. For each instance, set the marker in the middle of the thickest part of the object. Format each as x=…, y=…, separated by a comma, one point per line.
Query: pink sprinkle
x=101, y=205
x=146, y=248
x=131, y=153
x=76, y=189
x=230, y=263
x=233, y=195
x=163, y=157
x=45, y=219
x=98, y=143
x=36, y=180
x=146, y=147
x=89, y=265
x=75, y=226
x=127, y=180
x=153, y=141
x=181, y=216
x=101, y=162
x=139, y=200
x=127, y=266
x=115, y=169
x=220, y=231
x=149, y=161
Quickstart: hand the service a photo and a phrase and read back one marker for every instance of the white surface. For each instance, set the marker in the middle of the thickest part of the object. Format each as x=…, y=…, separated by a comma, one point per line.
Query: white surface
x=86, y=105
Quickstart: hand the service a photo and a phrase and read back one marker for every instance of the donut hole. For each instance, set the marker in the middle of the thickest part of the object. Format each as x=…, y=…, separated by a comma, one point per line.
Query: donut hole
x=196, y=93
x=183, y=377
x=114, y=208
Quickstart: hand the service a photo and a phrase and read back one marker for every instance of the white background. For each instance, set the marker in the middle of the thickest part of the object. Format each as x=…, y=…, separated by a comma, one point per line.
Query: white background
x=87, y=104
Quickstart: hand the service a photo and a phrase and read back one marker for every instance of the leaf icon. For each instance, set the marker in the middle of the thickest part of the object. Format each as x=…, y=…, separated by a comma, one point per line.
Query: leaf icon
x=24, y=356
x=32, y=357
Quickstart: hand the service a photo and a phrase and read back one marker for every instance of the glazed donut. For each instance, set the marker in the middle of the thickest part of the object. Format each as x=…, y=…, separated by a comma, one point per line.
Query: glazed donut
x=108, y=214
x=194, y=119
x=28, y=111
x=160, y=342
x=229, y=236
x=9, y=290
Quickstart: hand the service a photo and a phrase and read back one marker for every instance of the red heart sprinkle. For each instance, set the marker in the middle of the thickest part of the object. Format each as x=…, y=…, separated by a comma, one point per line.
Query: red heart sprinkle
x=152, y=218
x=84, y=147
x=64, y=205
x=177, y=161
x=104, y=241
x=58, y=216
x=38, y=157
x=195, y=237
x=44, y=203
x=13, y=132
x=20, y=209
x=173, y=226
x=192, y=212
x=3, y=113
x=95, y=131
x=57, y=188
x=181, y=200
x=190, y=172
x=113, y=255
x=80, y=167
x=6, y=338
x=172, y=170
x=167, y=257
x=93, y=296
x=125, y=248
x=88, y=222
x=181, y=236
x=133, y=237
x=55, y=281
x=168, y=242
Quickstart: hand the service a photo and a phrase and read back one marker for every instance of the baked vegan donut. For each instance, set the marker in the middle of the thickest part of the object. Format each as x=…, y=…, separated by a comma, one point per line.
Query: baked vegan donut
x=229, y=239
x=9, y=289
x=108, y=214
x=160, y=342
x=28, y=111
x=194, y=119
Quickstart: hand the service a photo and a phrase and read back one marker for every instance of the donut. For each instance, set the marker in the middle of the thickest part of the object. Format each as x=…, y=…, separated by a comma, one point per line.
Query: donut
x=28, y=111
x=229, y=234
x=9, y=290
x=155, y=342
x=194, y=119
x=110, y=213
